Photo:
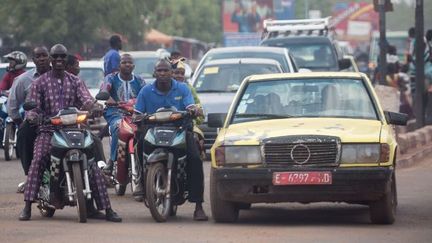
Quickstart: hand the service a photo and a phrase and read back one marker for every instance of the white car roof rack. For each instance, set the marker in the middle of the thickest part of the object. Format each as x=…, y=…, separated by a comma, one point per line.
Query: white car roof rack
x=273, y=28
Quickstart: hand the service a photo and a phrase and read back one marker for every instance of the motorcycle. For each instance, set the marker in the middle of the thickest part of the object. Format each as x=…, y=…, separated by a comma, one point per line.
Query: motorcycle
x=8, y=130
x=165, y=160
x=66, y=181
x=127, y=168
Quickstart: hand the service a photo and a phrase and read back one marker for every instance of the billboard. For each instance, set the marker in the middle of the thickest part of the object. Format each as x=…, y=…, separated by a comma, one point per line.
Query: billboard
x=243, y=19
x=354, y=21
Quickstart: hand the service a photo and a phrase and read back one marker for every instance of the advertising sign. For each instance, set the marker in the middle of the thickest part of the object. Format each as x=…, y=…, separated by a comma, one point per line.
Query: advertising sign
x=243, y=19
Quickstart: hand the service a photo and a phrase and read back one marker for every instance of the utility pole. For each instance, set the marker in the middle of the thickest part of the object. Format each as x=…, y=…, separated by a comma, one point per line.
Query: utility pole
x=382, y=43
x=306, y=5
x=419, y=65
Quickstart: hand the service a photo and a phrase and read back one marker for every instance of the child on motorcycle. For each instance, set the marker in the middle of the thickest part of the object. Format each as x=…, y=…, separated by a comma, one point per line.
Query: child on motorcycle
x=122, y=87
x=179, y=74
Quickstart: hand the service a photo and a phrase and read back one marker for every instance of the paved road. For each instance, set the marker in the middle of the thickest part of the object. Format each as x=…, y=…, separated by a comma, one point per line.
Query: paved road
x=320, y=222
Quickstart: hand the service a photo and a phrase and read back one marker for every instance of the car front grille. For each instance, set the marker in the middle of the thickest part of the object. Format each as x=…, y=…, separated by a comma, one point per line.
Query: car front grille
x=302, y=151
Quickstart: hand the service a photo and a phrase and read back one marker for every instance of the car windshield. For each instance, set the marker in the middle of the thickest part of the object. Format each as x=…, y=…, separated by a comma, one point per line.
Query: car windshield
x=228, y=77
x=144, y=66
x=325, y=97
x=279, y=57
x=312, y=55
x=92, y=77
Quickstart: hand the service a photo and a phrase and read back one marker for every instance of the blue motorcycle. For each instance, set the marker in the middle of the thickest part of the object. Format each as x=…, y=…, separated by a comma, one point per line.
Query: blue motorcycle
x=66, y=180
x=8, y=130
x=165, y=160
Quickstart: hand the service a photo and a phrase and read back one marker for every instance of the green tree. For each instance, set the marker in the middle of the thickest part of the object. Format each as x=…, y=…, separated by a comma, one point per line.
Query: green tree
x=198, y=19
x=73, y=23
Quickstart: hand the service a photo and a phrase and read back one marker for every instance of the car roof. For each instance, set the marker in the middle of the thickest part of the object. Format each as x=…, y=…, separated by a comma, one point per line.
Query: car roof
x=349, y=75
x=157, y=54
x=278, y=50
x=242, y=60
x=298, y=39
x=91, y=64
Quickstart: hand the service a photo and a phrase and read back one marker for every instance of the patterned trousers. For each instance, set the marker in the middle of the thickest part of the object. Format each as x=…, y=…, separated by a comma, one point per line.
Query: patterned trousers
x=41, y=159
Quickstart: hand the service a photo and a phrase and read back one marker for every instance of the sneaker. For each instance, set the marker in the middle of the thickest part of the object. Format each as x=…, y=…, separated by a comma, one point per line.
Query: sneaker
x=200, y=215
x=21, y=187
x=112, y=216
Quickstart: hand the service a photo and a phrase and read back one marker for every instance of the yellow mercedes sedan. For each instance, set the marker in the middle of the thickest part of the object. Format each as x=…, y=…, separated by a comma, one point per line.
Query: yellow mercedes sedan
x=304, y=137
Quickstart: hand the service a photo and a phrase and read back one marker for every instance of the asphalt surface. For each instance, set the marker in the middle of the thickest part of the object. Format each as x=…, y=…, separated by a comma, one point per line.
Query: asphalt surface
x=287, y=222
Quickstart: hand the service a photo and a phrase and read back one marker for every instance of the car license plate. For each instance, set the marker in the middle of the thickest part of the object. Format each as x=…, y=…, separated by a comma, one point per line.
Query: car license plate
x=302, y=178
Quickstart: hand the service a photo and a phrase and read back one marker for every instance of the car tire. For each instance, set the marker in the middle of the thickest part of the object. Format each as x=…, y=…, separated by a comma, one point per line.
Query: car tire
x=383, y=211
x=222, y=211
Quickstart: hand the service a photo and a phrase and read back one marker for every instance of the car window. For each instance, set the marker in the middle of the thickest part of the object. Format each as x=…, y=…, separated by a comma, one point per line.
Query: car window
x=92, y=77
x=244, y=54
x=347, y=98
x=144, y=66
x=310, y=55
x=228, y=77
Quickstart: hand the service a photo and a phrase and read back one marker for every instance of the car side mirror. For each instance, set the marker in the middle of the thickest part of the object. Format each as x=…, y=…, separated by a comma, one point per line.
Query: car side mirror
x=216, y=119
x=396, y=118
x=344, y=63
x=103, y=95
x=29, y=105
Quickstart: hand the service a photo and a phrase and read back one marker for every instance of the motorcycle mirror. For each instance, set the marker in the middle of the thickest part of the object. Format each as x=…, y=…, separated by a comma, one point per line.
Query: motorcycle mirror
x=30, y=105
x=103, y=96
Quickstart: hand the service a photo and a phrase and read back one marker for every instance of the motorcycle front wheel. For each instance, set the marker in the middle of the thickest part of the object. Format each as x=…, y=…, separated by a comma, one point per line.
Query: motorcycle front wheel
x=9, y=140
x=79, y=193
x=156, y=192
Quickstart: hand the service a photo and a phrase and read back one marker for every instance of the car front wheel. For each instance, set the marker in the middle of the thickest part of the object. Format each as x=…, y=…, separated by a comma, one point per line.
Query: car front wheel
x=222, y=211
x=383, y=211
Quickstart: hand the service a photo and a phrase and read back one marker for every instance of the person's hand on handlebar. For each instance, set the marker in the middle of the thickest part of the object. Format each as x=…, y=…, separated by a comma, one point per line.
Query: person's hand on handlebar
x=33, y=118
x=97, y=110
x=195, y=110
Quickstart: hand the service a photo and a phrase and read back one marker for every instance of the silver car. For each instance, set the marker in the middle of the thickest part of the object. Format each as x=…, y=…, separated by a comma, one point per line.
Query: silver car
x=280, y=54
x=216, y=83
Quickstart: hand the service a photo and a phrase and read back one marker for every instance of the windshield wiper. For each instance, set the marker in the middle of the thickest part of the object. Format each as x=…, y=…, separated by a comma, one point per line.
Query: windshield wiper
x=266, y=116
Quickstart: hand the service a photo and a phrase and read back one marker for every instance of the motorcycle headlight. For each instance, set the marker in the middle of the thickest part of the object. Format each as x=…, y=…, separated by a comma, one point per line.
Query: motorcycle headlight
x=360, y=153
x=238, y=155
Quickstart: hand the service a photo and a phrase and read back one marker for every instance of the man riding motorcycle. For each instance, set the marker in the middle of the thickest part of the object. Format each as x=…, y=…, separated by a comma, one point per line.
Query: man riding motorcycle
x=166, y=92
x=18, y=93
x=53, y=91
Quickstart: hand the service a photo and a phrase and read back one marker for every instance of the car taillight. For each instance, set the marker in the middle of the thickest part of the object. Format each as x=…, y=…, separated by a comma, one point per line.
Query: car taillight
x=385, y=152
x=220, y=156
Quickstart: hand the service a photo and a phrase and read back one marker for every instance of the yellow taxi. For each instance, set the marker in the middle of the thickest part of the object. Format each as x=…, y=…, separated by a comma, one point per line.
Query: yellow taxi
x=304, y=137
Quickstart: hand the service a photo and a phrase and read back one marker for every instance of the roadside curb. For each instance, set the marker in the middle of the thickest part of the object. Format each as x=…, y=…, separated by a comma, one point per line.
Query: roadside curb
x=414, y=146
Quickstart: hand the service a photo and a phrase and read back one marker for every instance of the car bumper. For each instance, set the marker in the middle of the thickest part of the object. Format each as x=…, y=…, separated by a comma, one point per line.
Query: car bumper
x=354, y=185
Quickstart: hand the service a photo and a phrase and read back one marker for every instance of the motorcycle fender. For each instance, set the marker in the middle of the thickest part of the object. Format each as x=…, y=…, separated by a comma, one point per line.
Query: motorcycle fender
x=157, y=155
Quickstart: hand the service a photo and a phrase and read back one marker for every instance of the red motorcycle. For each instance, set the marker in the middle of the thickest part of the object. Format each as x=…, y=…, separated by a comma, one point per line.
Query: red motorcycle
x=127, y=169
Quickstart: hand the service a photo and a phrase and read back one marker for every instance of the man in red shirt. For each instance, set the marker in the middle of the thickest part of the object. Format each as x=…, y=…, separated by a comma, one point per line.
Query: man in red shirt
x=17, y=64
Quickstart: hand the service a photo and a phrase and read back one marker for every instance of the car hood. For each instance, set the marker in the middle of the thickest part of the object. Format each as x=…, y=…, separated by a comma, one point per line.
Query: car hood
x=216, y=102
x=348, y=130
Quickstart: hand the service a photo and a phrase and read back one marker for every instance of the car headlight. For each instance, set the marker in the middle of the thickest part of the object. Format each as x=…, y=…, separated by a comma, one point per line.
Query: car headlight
x=361, y=153
x=238, y=155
